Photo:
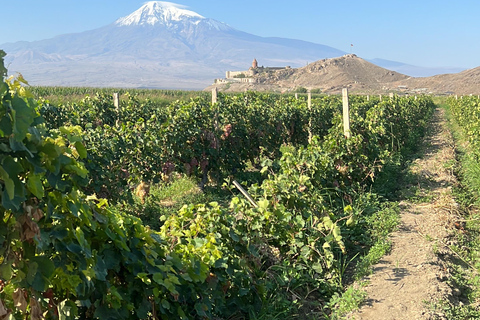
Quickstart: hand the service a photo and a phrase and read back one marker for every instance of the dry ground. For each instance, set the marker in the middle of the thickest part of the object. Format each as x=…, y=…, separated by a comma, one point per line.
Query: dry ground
x=414, y=273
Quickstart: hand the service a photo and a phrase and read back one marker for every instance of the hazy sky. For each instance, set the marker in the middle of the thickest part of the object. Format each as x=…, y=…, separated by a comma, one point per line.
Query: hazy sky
x=421, y=32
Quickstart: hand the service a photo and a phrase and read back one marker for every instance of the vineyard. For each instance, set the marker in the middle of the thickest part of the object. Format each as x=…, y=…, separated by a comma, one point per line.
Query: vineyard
x=466, y=113
x=464, y=116
x=75, y=242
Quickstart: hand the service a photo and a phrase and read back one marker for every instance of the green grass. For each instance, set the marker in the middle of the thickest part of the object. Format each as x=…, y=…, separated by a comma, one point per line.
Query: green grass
x=379, y=227
x=165, y=199
x=349, y=301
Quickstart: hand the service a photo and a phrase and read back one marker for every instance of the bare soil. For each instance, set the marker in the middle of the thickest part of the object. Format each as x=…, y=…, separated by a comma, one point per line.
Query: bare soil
x=414, y=275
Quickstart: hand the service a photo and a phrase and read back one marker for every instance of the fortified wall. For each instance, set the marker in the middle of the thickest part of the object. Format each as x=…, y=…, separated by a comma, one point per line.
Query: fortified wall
x=246, y=76
x=236, y=74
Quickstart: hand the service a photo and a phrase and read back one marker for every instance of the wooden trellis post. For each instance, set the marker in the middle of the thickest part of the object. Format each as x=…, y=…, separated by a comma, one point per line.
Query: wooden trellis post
x=214, y=95
x=346, y=113
x=245, y=193
x=214, y=101
x=309, y=104
x=116, y=101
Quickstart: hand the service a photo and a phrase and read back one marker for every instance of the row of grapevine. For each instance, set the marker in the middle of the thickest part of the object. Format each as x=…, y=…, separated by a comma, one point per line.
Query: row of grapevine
x=140, y=141
x=65, y=255
x=466, y=114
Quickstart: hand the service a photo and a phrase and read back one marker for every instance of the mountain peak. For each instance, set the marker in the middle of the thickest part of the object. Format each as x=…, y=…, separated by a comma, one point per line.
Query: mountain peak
x=158, y=12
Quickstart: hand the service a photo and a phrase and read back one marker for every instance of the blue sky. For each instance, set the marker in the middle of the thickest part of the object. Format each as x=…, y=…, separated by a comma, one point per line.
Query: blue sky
x=423, y=33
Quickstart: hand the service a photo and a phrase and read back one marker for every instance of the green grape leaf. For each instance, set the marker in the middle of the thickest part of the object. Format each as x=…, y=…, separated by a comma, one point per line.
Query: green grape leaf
x=82, y=151
x=23, y=116
x=6, y=271
x=46, y=265
x=100, y=269
x=9, y=184
x=35, y=186
x=32, y=271
x=9, y=172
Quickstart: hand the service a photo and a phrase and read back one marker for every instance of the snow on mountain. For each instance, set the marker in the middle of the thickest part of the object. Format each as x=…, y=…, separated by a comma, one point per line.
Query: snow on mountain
x=154, y=12
x=167, y=14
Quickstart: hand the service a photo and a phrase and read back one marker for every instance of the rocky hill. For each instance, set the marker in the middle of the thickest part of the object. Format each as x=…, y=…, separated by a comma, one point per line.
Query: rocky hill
x=357, y=74
x=327, y=75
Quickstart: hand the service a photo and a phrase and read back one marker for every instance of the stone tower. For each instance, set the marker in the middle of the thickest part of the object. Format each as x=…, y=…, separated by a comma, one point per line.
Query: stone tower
x=254, y=64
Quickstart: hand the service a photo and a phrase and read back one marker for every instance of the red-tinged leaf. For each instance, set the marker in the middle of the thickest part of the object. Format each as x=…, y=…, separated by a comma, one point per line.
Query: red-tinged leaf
x=35, y=310
x=3, y=311
x=19, y=300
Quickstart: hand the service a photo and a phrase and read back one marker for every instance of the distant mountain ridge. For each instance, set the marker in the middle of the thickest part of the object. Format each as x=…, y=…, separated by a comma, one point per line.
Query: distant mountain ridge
x=160, y=45
x=414, y=71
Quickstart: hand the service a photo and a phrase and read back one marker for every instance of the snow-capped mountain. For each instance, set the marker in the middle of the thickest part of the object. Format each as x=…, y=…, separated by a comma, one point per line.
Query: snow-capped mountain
x=161, y=44
x=170, y=15
x=159, y=12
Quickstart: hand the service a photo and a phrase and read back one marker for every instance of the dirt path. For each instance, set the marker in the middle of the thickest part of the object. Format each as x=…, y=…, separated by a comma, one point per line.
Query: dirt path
x=414, y=272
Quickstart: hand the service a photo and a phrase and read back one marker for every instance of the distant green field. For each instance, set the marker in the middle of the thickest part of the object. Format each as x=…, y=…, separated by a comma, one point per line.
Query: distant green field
x=62, y=95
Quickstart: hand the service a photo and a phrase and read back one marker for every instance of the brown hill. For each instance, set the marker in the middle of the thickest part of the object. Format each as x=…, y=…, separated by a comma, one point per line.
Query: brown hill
x=328, y=75
x=331, y=75
x=360, y=76
x=462, y=83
